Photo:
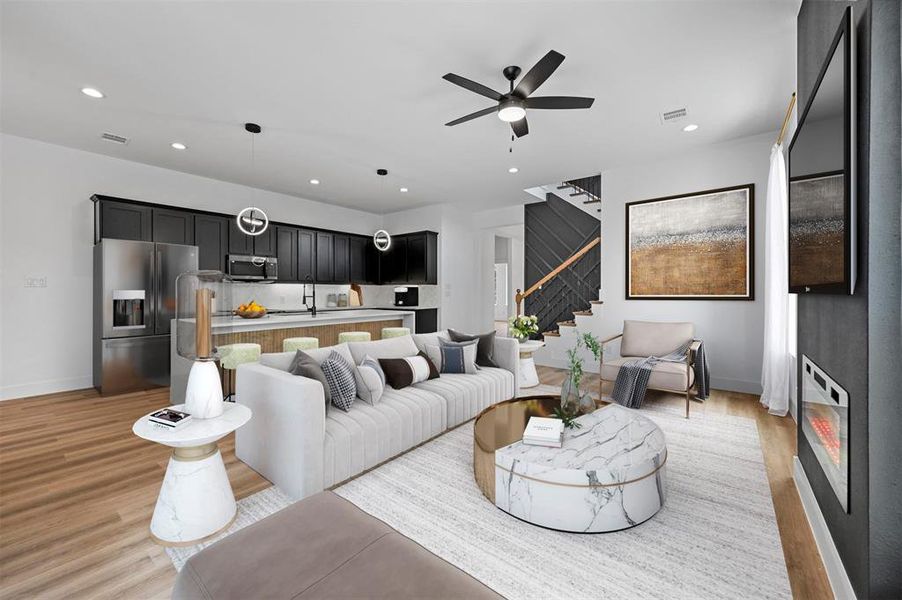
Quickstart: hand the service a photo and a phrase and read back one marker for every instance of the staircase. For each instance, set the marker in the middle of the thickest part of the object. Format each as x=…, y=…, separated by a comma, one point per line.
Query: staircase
x=563, y=338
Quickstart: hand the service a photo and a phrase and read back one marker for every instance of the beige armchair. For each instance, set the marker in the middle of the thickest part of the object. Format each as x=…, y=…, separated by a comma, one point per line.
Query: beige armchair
x=641, y=339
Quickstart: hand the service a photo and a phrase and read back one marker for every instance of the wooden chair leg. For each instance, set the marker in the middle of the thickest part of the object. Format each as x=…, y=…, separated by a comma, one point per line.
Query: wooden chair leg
x=687, y=388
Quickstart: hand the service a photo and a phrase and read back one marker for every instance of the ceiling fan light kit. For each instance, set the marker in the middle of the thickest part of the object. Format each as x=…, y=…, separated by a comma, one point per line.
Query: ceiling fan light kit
x=512, y=106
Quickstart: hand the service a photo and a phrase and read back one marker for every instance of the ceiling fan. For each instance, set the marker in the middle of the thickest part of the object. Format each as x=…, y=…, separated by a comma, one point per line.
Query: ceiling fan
x=512, y=106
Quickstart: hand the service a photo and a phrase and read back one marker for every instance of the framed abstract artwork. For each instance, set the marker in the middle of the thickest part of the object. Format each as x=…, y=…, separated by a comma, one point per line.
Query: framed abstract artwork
x=698, y=246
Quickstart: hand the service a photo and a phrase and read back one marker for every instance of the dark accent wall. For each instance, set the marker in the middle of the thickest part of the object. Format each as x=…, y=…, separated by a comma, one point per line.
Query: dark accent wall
x=554, y=230
x=855, y=338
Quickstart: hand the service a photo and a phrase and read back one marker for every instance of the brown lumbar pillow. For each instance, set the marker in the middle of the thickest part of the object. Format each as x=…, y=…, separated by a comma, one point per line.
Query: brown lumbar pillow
x=485, y=349
x=306, y=366
x=402, y=372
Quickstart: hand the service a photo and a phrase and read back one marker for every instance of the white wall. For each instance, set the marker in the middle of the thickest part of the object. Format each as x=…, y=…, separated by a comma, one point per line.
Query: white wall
x=46, y=223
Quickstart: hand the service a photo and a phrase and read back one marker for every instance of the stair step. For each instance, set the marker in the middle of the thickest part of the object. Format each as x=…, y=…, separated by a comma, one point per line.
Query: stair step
x=551, y=334
x=583, y=313
x=596, y=301
x=574, y=194
x=593, y=201
x=566, y=324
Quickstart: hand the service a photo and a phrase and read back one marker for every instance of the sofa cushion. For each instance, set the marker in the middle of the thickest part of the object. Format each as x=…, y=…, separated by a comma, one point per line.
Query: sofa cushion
x=368, y=435
x=647, y=338
x=429, y=339
x=666, y=375
x=402, y=372
x=322, y=547
x=466, y=395
x=340, y=377
x=303, y=365
x=282, y=360
x=370, y=380
x=397, y=347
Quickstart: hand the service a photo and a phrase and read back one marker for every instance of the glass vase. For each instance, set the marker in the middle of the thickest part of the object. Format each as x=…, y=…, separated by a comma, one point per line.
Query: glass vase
x=570, y=396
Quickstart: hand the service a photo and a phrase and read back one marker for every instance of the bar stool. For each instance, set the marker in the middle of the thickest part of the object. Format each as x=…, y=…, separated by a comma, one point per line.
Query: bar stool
x=232, y=355
x=300, y=343
x=354, y=336
x=392, y=332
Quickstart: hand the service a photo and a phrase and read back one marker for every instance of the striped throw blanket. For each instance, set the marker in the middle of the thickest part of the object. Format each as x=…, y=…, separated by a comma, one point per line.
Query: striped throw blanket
x=633, y=376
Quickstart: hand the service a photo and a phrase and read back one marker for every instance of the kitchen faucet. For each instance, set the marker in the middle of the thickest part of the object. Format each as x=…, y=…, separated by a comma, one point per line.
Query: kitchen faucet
x=312, y=308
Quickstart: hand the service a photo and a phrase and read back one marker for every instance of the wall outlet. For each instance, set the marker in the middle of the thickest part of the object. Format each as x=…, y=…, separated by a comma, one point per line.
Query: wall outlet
x=35, y=282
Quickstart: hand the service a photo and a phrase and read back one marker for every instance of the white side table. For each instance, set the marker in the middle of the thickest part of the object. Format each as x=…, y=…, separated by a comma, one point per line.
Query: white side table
x=528, y=376
x=196, y=499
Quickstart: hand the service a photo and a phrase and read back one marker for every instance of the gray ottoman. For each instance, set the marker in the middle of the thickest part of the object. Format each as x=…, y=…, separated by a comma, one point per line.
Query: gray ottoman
x=322, y=547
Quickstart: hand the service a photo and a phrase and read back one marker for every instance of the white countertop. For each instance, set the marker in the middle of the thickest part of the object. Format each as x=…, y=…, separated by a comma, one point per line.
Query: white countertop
x=327, y=317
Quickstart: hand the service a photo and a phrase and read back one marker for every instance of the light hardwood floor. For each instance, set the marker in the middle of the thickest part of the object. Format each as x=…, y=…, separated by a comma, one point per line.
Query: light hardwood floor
x=75, y=503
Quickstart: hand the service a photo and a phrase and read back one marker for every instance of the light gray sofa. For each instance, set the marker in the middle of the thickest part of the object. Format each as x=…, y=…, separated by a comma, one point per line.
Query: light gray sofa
x=292, y=441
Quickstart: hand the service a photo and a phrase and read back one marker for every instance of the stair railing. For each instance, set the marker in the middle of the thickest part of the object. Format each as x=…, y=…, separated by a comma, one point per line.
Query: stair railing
x=554, y=273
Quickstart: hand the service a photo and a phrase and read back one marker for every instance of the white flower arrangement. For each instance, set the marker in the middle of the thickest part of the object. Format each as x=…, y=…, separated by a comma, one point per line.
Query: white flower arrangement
x=521, y=327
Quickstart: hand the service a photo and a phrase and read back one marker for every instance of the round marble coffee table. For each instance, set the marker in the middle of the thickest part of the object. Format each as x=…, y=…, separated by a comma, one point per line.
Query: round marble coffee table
x=196, y=499
x=528, y=376
x=608, y=475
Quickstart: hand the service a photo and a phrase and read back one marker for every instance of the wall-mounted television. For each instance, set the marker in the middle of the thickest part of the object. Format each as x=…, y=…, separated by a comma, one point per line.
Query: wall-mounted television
x=822, y=177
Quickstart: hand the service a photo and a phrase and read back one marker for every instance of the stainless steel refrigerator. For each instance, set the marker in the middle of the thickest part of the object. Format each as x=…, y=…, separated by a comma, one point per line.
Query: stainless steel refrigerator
x=134, y=302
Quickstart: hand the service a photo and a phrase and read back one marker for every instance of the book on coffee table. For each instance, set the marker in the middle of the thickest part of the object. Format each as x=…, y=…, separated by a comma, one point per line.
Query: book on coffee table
x=544, y=431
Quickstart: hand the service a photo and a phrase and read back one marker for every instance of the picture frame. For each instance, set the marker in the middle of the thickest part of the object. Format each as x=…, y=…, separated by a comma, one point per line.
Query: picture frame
x=692, y=246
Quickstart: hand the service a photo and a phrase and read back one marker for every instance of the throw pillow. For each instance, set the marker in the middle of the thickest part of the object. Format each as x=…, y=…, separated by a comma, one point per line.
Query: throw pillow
x=340, y=377
x=454, y=357
x=402, y=372
x=485, y=350
x=306, y=366
x=370, y=380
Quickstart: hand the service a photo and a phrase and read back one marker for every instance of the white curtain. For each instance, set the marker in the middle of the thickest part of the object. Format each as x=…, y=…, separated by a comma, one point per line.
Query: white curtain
x=775, y=376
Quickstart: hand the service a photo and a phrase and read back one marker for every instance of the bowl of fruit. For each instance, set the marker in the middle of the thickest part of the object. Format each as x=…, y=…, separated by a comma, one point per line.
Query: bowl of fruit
x=251, y=310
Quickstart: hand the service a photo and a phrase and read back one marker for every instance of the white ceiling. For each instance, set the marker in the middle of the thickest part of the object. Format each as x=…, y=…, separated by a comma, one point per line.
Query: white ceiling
x=342, y=88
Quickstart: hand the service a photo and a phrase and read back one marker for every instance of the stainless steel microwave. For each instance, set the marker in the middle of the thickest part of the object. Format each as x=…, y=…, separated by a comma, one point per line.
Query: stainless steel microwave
x=253, y=268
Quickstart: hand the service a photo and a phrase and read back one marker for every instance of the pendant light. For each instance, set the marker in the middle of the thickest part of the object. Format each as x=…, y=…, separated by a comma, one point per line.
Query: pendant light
x=382, y=239
x=252, y=220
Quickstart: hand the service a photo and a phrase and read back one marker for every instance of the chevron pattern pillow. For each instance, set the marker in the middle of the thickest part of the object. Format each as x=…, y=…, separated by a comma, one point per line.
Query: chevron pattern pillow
x=340, y=377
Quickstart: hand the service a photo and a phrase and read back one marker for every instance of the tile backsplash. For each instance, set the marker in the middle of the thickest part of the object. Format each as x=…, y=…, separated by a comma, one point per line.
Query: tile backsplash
x=289, y=295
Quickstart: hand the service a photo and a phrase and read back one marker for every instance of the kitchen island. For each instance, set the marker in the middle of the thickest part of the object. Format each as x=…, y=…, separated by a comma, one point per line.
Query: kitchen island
x=270, y=330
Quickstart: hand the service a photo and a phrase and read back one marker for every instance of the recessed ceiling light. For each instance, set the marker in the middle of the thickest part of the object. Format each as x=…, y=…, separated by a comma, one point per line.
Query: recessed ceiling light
x=179, y=146
x=403, y=190
x=513, y=170
x=92, y=92
x=314, y=182
x=690, y=127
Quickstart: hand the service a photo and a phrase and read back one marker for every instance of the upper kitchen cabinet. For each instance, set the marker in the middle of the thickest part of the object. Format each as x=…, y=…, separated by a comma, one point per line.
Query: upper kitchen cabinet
x=287, y=253
x=325, y=271
x=363, y=263
x=340, y=256
x=306, y=255
x=393, y=262
x=211, y=236
x=251, y=245
x=422, y=257
x=121, y=220
x=173, y=226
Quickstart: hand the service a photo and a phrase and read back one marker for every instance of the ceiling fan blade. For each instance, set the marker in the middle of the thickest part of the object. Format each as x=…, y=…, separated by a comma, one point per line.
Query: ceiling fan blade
x=520, y=127
x=473, y=86
x=471, y=116
x=537, y=75
x=559, y=102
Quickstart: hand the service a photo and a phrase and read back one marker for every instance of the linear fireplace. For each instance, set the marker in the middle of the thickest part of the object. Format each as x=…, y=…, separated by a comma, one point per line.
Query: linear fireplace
x=825, y=424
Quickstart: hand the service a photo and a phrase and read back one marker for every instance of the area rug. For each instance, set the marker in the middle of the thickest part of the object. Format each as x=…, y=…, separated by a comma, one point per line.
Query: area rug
x=250, y=510
x=716, y=537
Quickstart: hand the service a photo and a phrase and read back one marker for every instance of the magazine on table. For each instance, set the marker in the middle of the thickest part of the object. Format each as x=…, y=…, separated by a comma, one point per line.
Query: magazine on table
x=544, y=431
x=169, y=418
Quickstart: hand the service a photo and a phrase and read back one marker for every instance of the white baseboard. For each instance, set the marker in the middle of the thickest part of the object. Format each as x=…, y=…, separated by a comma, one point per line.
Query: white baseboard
x=39, y=388
x=836, y=572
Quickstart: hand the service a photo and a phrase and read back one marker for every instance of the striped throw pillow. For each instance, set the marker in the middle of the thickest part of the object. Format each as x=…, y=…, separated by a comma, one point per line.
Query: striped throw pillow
x=340, y=377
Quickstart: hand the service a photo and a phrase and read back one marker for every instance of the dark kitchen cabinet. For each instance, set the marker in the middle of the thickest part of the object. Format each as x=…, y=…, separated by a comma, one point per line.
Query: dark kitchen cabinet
x=173, y=226
x=306, y=255
x=251, y=245
x=357, y=263
x=422, y=257
x=340, y=257
x=325, y=272
x=287, y=253
x=122, y=221
x=426, y=320
x=393, y=262
x=211, y=236
x=373, y=257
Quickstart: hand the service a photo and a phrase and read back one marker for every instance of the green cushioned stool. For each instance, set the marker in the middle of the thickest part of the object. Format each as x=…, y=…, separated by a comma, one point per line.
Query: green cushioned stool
x=232, y=355
x=393, y=332
x=300, y=343
x=354, y=336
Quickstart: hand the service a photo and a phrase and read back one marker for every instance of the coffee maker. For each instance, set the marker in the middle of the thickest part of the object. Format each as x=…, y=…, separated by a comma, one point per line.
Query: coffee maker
x=407, y=296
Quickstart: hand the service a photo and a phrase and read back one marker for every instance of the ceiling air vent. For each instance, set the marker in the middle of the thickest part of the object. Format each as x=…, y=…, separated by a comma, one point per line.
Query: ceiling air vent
x=112, y=137
x=676, y=114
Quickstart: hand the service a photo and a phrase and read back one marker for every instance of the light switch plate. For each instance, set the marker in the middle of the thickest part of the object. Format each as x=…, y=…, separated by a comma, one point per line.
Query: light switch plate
x=35, y=282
